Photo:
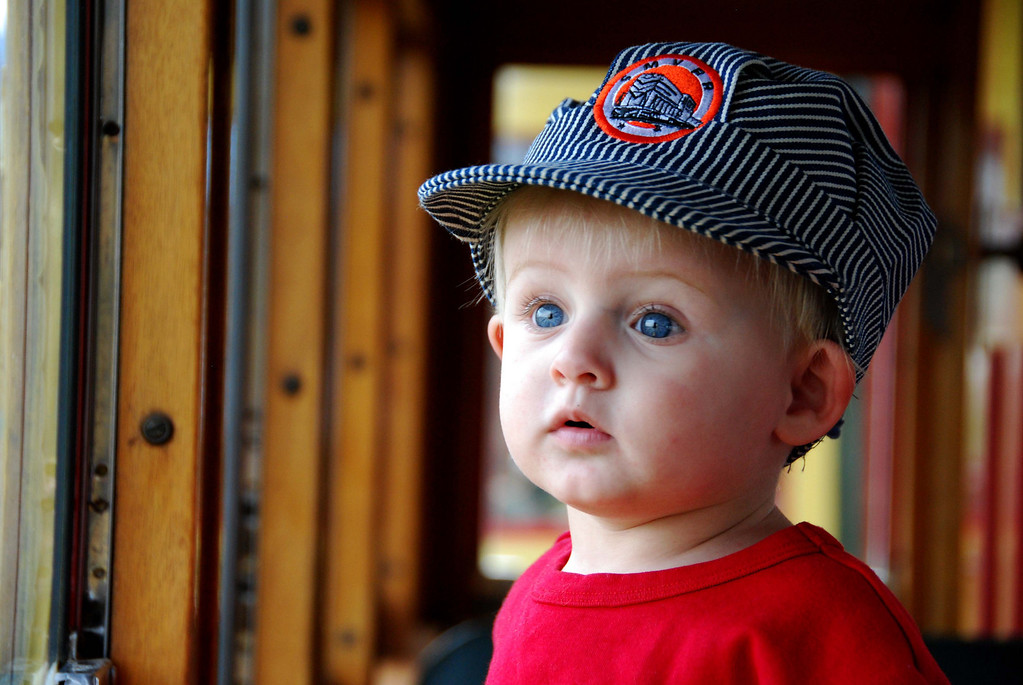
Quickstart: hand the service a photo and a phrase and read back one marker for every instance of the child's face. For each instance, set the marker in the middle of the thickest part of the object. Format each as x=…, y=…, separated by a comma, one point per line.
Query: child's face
x=638, y=381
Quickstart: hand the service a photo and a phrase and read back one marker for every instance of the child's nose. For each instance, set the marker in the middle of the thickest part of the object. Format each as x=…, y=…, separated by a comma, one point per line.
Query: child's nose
x=584, y=357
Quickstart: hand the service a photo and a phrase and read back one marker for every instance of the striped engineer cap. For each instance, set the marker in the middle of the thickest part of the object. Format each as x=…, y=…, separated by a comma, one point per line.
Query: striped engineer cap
x=784, y=162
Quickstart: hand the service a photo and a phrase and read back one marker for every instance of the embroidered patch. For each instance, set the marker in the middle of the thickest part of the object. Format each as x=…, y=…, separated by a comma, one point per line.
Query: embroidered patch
x=658, y=99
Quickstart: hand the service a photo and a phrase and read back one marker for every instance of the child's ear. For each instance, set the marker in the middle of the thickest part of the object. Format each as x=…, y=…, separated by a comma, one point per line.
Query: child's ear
x=822, y=385
x=495, y=332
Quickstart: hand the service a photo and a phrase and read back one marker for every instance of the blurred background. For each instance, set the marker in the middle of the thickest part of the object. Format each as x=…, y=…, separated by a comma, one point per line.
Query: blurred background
x=247, y=408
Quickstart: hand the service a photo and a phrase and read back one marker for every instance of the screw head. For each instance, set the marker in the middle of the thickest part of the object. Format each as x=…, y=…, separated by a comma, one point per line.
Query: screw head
x=157, y=428
x=291, y=384
x=301, y=25
x=111, y=128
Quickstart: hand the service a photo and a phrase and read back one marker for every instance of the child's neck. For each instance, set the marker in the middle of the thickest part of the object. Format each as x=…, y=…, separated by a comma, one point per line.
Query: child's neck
x=602, y=546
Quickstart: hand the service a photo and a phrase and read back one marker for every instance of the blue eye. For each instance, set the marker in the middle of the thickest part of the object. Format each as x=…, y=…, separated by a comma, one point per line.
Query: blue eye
x=655, y=325
x=548, y=315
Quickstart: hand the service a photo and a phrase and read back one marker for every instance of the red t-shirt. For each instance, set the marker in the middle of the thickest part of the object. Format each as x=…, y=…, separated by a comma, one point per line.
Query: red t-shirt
x=793, y=608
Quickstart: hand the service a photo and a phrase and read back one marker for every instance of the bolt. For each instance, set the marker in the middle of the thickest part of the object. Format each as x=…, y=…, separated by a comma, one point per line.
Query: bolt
x=301, y=25
x=157, y=428
x=365, y=90
x=111, y=128
x=291, y=384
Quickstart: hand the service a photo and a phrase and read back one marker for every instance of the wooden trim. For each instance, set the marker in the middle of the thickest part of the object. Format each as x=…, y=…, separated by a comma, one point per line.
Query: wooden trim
x=928, y=504
x=154, y=608
x=905, y=454
x=944, y=334
x=407, y=293
x=349, y=632
x=293, y=446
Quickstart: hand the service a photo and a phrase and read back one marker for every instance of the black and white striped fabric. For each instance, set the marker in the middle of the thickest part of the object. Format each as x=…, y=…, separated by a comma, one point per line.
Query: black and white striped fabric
x=788, y=164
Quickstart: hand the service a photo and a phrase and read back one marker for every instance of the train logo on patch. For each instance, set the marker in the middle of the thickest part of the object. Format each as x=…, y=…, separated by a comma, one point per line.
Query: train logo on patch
x=658, y=99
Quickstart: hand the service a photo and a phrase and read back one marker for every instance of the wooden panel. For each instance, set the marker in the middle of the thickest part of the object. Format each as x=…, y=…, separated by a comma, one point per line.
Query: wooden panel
x=940, y=440
x=406, y=341
x=154, y=611
x=905, y=455
x=940, y=137
x=358, y=350
x=407, y=293
x=290, y=512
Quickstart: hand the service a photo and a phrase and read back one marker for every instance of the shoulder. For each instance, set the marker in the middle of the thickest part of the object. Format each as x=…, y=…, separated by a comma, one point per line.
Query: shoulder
x=821, y=585
x=830, y=605
x=830, y=576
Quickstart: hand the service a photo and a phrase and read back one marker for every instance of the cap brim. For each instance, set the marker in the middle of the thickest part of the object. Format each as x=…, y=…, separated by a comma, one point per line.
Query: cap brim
x=460, y=200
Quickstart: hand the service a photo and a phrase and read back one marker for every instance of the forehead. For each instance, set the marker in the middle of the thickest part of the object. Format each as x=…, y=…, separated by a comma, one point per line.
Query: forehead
x=538, y=219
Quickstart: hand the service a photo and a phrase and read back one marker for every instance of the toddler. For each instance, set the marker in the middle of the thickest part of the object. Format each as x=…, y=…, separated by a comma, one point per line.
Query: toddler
x=690, y=271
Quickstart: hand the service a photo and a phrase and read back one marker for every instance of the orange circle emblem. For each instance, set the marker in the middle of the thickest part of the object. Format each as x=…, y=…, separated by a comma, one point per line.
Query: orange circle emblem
x=658, y=99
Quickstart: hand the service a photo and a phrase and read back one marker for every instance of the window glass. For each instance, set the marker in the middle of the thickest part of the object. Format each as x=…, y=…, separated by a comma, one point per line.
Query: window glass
x=31, y=190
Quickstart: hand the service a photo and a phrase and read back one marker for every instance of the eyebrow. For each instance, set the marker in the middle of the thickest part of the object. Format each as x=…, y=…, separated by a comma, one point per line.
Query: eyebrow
x=669, y=275
x=660, y=274
x=530, y=264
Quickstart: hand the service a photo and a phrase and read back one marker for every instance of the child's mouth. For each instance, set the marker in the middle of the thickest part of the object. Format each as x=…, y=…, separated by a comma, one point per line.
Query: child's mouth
x=581, y=437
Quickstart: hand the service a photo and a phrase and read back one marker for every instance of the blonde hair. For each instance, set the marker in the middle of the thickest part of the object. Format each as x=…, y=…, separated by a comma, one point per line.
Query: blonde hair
x=803, y=310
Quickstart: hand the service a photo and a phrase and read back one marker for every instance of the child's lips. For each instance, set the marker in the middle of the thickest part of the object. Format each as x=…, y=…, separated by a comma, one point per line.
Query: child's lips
x=580, y=436
x=576, y=430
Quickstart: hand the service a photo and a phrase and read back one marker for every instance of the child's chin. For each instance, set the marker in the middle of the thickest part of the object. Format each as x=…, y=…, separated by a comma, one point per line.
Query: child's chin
x=598, y=504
